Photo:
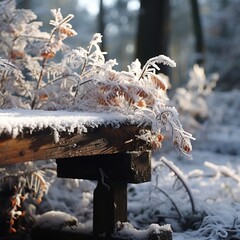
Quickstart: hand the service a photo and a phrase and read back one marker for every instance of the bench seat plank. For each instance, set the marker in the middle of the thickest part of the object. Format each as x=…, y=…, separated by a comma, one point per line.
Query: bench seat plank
x=40, y=145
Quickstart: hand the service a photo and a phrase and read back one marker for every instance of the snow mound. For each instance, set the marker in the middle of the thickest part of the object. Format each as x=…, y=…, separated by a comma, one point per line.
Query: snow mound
x=127, y=231
x=56, y=220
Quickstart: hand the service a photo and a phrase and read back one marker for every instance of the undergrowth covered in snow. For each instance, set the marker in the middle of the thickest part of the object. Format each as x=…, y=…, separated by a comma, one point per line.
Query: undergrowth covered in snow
x=212, y=179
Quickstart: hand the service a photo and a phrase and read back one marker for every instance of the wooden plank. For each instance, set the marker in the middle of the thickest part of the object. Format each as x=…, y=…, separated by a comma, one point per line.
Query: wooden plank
x=129, y=167
x=109, y=206
x=40, y=145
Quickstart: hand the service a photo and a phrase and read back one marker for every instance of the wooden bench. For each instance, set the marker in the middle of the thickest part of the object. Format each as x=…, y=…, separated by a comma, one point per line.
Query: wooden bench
x=113, y=156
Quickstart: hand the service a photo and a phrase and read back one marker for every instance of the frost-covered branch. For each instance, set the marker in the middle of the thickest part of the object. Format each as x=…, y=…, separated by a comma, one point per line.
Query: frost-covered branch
x=180, y=177
x=223, y=170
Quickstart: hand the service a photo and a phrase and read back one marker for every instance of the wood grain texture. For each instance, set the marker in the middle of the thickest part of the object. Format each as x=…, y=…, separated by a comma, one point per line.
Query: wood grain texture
x=40, y=145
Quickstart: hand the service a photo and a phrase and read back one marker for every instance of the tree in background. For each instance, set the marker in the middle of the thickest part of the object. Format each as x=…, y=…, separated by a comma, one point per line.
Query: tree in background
x=218, y=19
x=222, y=41
x=24, y=4
x=153, y=30
x=198, y=32
x=120, y=30
x=101, y=23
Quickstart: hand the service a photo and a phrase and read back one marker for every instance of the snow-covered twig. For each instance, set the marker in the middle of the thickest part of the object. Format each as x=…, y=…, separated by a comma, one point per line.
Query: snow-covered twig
x=180, y=177
x=171, y=200
x=224, y=170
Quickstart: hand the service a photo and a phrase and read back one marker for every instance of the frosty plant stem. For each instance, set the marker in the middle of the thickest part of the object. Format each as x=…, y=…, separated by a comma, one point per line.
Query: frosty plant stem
x=180, y=177
x=95, y=40
x=39, y=82
x=80, y=76
x=45, y=58
x=64, y=30
x=171, y=200
x=152, y=62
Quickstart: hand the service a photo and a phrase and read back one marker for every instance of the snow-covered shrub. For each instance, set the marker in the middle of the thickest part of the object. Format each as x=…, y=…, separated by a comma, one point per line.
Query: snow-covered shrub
x=38, y=71
x=82, y=79
x=191, y=100
x=20, y=182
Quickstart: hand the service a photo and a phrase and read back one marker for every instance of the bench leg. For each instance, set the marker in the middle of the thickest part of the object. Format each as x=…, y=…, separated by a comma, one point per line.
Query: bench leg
x=109, y=206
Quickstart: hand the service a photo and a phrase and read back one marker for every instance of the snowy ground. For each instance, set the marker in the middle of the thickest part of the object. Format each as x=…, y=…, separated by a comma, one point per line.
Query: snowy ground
x=213, y=177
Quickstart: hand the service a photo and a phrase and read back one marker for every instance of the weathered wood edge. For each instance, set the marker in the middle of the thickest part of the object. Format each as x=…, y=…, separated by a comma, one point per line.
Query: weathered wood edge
x=40, y=144
x=134, y=167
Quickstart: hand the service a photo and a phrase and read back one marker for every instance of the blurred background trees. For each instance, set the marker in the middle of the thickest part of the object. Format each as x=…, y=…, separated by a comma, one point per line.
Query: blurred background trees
x=153, y=30
x=193, y=31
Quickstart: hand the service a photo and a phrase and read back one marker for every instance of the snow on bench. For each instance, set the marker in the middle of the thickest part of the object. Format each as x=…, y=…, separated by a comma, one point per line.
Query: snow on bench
x=38, y=135
x=95, y=146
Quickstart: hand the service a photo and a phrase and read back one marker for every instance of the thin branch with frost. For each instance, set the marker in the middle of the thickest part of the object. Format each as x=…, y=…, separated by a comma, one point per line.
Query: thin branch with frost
x=64, y=30
x=171, y=200
x=152, y=62
x=180, y=177
x=223, y=170
x=7, y=69
x=92, y=55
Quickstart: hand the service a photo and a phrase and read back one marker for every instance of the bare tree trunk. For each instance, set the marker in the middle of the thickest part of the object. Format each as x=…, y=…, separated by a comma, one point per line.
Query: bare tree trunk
x=153, y=30
x=199, y=44
x=26, y=4
x=101, y=22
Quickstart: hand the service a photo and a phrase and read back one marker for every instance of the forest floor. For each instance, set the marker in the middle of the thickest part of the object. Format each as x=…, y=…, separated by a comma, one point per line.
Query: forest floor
x=212, y=177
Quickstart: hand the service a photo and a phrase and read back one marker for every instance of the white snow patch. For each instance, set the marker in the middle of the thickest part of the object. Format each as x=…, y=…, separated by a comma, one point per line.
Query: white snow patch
x=14, y=121
x=129, y=232
x=56, y=220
